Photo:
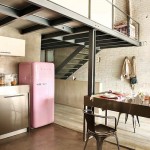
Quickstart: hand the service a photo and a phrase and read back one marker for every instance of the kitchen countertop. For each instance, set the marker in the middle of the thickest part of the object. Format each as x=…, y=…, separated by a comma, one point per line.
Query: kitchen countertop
x=9, y=90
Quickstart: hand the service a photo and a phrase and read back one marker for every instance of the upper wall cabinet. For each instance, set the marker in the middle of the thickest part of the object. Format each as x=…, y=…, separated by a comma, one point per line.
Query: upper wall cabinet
x=12, y=46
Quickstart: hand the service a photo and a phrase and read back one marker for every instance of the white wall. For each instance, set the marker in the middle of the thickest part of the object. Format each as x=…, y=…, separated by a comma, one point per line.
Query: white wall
x=79, y=6
x=101, y=12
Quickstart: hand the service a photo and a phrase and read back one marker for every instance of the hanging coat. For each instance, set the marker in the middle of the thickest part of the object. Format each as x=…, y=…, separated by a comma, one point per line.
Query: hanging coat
x=133, y=78
x=126, y=69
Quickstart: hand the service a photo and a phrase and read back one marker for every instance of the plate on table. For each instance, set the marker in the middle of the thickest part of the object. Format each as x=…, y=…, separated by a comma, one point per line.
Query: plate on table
x=108, y=95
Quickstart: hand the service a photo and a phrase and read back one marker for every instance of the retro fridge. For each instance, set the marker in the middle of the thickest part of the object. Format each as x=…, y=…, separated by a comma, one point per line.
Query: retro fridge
x=40, y=77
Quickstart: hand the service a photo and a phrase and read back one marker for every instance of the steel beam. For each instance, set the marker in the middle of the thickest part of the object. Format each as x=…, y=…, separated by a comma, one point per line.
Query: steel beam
x=54, y=34
x=48, y=23
x=6, y=10
x=38, y=20
x=60, y=21
x=13, y=13
x=57, y=46
x=6, y=20
x=76, y=36
x=27, y=14
x=91, y=64
x=81, y=39
x=32, y=28
x=110, y=43
x=31, y=9
x=79, y=31
x=70, y=57
x=116, y=46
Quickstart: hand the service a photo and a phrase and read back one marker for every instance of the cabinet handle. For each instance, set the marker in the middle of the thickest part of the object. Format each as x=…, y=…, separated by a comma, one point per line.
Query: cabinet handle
x=13, y=96
x=6, y=52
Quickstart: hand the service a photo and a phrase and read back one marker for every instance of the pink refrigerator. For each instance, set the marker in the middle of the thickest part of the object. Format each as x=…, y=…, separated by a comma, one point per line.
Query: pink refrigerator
x=40, y=77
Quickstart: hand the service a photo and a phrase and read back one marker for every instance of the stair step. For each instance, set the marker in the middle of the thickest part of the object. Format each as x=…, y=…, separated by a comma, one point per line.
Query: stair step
x=75, y=64
x=82, y=53
x=70, y=68
x=80, y=59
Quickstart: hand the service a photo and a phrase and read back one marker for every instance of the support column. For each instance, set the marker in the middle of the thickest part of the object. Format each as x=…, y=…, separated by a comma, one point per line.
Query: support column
x=91, y=74
x=91, y=64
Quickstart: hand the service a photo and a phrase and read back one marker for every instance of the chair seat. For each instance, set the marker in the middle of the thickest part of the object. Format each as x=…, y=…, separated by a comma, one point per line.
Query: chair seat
x=103, y=130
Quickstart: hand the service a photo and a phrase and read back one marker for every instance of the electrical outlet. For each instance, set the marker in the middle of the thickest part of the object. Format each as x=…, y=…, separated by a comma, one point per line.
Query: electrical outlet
x=98, y=59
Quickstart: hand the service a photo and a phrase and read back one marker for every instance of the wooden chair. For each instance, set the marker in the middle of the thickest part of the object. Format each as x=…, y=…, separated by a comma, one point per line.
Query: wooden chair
x=99, y=131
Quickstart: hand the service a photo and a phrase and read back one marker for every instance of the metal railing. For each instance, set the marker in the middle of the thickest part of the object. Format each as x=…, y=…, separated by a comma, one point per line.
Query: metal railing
x=123, y=23
x=120, y=22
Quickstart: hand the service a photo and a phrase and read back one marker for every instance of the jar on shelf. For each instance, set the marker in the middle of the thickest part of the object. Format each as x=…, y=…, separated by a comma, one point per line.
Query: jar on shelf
x=15, y=79
x=2, y=79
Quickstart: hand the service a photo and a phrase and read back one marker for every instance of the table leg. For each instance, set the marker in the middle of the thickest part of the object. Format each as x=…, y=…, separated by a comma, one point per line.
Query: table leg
x=105, y=116
x=84, y=127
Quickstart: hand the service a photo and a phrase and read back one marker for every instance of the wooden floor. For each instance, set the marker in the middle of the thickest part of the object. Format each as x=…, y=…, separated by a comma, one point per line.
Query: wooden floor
x=73, y=118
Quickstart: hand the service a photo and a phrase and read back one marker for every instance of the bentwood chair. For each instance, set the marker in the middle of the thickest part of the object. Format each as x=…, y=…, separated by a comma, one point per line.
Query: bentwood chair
x=99, y=131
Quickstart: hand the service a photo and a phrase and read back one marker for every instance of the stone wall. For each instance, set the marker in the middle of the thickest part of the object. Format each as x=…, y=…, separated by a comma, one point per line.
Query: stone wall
x=109, y=68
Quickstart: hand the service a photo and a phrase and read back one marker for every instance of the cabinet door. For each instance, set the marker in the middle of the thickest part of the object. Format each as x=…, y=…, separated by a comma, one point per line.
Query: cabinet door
x=12, y=46
x=13, y=113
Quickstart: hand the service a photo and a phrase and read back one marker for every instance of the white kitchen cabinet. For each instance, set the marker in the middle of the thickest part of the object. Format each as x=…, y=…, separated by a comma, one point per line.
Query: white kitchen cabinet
x=12, y=46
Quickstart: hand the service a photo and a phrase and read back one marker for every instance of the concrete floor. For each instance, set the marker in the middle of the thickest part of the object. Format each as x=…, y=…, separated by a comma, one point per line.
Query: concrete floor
x=51, y=137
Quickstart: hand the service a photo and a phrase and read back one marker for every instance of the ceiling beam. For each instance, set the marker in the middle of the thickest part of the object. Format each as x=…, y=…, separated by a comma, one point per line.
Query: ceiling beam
x=29, y=10
x=9, y=11
x=13, y=13
x=54, y=34
x=38, y=20
x=55, y=23
x=115, y=46
x=111, y=43
x=60, y=21
x=6, y=20
x=32, y=28
x=77, y=30
x=76, y=36
x=107, y=42
x=58, y=46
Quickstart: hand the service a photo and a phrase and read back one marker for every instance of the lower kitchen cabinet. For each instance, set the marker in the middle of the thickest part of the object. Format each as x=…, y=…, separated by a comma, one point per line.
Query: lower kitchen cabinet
x=14, y=111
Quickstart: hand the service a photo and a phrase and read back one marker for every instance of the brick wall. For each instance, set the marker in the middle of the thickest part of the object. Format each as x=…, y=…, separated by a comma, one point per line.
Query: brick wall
x=109, y=68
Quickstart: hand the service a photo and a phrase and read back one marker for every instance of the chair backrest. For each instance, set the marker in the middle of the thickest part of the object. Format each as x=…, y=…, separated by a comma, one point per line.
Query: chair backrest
x=90, y=119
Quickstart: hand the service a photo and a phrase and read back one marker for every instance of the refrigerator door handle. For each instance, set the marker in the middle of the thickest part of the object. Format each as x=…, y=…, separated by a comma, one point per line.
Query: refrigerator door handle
x=13, y=96
x=38, y=83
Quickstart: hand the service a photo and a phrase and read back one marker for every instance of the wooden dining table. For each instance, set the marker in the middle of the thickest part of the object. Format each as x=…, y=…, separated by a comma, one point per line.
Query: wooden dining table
x=132, y=108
